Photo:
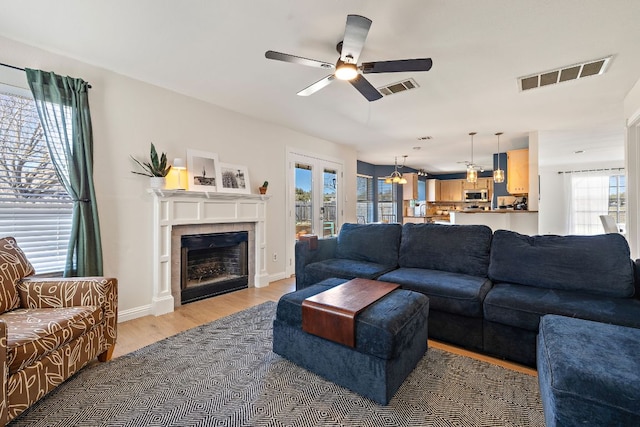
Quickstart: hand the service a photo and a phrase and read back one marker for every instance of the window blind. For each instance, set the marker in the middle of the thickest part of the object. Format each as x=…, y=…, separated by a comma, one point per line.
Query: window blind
x=34, y=206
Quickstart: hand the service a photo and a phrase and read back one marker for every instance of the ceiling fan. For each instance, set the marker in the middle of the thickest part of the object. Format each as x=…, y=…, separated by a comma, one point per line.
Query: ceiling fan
x=346, y=68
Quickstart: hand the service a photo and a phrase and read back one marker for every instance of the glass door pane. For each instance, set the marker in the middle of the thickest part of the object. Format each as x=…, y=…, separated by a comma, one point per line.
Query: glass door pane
x=329, y=210
x=303, y=199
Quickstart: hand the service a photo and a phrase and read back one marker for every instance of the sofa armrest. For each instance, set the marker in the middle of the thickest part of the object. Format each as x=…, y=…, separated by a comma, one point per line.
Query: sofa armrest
x=326, y=249
x=74, y=291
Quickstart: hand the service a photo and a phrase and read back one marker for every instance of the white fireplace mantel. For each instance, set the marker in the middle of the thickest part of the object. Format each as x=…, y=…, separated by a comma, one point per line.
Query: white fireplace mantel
x=180, y=207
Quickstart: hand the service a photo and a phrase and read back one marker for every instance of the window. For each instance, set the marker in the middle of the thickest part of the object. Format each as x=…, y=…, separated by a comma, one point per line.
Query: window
x=387, y=206
x=364, y=202
x=34, y=206
x=618, y=199
x=595, y=193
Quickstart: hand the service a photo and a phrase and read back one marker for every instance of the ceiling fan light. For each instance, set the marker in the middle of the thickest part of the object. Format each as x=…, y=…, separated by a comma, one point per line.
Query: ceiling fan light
x=346, y=71
x=472, y=175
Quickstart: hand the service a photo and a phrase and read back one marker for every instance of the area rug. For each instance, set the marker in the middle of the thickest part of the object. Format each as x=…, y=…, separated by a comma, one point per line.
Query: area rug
x=225, y=374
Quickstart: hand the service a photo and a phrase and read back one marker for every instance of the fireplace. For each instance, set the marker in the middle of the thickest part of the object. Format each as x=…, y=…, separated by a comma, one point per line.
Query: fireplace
x=177, y=213
x=213, y=264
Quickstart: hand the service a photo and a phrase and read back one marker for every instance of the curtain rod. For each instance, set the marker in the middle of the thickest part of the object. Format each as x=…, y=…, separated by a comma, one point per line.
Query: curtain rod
x=592, y=170
x=22, y=69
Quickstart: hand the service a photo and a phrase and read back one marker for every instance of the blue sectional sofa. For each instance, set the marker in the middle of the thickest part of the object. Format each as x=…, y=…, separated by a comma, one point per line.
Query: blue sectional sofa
x=487, y=290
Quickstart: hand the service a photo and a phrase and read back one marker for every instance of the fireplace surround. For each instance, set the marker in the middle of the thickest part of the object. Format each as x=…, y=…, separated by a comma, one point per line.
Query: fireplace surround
x=179, y=212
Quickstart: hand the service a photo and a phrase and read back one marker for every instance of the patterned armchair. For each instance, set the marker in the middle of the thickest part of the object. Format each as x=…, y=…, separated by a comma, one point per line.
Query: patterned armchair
x=49, y=329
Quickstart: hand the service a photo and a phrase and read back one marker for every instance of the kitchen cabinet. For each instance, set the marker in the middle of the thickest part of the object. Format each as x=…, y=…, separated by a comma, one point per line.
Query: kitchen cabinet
x=518, y=171
x=451, y=190
x=410, y=189
x=481, y=183
x=466, y=185
x=433, y=190
x=486, y=183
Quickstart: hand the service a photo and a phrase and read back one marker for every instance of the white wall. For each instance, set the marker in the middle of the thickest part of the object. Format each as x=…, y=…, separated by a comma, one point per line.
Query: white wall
x=632, y=146
x=128, y=115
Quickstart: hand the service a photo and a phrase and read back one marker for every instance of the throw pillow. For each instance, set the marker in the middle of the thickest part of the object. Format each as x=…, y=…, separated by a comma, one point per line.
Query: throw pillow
x=14, y=266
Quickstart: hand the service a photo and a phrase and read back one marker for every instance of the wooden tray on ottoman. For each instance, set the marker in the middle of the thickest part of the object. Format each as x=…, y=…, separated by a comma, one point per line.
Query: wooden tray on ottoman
x=331, y=314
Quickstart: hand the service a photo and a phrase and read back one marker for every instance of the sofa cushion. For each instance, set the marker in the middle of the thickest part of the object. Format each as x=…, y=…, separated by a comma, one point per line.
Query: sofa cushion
x=14, y=266
x=597, y=264
x=35, y=332
x=448, y=292
x=460, y=249
x=588, y=373
x=343, y=268
x=523, y=306
x=375, y=243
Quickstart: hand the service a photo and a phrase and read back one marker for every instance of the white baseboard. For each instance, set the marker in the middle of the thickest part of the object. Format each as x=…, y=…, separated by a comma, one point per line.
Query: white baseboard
x=277, y=276
x=134, y=313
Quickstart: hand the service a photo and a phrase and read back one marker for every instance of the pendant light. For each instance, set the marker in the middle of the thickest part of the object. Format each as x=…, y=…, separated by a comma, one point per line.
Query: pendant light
x=498, y=174
x=472, y=173
x=396, y=177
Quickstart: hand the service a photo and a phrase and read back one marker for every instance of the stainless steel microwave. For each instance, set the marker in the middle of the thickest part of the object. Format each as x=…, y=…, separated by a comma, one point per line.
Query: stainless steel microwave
x=478, y=195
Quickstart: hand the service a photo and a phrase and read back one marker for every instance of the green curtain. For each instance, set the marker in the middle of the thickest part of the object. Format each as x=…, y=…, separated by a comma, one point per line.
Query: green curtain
x=63, y=107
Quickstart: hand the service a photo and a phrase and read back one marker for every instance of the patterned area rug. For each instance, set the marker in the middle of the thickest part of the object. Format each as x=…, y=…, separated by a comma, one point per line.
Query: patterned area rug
x=225, y=374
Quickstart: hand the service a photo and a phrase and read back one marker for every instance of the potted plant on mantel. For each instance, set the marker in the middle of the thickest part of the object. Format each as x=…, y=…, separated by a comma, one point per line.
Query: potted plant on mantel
x=263, y=188
x=156, y=169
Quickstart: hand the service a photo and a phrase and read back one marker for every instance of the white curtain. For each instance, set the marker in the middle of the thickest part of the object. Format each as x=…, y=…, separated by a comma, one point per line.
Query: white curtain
x=588, y=198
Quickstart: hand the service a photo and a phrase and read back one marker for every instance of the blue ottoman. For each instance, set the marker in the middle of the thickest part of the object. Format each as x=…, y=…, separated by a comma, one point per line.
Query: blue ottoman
x=391, y=338
x=589, y=372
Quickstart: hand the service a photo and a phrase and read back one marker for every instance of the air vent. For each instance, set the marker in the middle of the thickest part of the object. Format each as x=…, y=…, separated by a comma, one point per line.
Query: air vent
x=564, y=74
x=398, y=87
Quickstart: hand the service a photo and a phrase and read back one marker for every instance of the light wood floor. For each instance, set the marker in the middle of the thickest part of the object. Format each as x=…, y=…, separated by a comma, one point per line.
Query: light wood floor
x=137, y=333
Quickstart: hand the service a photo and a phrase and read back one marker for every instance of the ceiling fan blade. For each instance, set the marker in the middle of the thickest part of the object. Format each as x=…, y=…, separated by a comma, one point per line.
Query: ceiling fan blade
x=365, y=88
x=270, y=54
x=317, y=86
x=422, y=64
x=355, y=34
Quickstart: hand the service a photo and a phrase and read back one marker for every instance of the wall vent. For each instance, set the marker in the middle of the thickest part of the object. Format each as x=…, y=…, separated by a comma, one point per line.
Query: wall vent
x=570, y=72
x=398, y=87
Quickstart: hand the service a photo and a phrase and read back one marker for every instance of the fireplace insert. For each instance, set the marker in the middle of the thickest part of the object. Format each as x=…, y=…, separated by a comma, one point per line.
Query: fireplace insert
x=213, y=264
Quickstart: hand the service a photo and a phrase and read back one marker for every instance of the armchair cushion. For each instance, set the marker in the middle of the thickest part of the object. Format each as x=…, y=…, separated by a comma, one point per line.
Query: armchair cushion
x=72, y=292
x=14, y=266
x=33, y=333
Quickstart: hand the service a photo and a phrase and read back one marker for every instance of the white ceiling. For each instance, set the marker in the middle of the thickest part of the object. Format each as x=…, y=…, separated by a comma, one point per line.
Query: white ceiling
x=214, y=50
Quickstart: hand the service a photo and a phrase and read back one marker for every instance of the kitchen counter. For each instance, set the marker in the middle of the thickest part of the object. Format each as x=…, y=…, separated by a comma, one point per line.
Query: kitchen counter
x=523, y=222
x=496, y=211
x=424, y=219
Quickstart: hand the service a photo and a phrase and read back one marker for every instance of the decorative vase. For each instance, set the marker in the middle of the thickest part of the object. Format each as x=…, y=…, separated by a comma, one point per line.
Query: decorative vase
x=157, y=182
x=263, y=190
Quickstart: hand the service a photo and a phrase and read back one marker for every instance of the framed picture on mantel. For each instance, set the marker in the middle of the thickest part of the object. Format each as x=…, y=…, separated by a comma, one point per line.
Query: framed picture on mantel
x=203, y=170
x=235, y=179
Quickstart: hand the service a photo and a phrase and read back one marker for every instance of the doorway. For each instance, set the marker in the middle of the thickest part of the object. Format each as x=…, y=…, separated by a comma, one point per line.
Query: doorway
x=314, y=199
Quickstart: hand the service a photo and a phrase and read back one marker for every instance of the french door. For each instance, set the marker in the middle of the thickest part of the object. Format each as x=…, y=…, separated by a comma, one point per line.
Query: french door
x=314, y=199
